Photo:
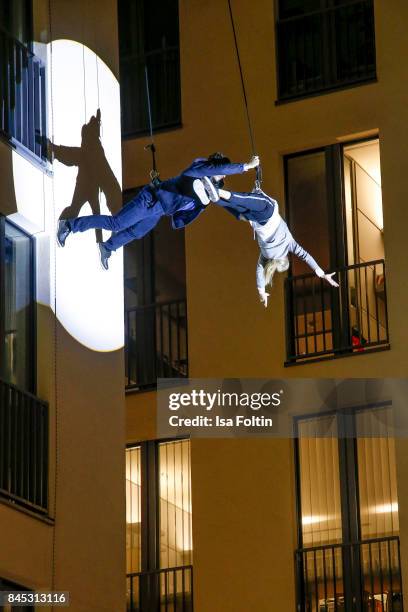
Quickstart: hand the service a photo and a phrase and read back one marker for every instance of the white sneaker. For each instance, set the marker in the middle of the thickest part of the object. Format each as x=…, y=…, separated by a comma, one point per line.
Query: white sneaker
x=200, y=191
x=211, y=190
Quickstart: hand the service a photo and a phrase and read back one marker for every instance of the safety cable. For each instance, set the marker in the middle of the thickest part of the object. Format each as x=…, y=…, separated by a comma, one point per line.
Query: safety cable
x=258, y=180
x=56, y=421
x=154, y=175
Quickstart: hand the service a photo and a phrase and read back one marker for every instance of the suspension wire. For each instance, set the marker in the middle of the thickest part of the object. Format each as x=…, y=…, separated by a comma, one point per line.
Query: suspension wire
x=100, y=126
x=258, y=180
x=55, y=330
x=154, y=175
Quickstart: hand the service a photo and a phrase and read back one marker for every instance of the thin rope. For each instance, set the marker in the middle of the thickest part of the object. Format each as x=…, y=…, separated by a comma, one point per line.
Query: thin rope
x=83, y=63
x=97, y=88
x=251, y=132
x=151, y=146
x=100, y=124
x=54, y=534
x=149, y=110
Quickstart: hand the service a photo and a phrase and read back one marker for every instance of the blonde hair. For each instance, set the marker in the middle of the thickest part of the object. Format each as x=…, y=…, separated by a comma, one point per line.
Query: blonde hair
x=274, y=265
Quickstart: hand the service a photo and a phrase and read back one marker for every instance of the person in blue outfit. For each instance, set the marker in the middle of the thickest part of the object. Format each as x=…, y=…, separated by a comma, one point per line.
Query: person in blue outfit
x=182, y=198
x=274, y=238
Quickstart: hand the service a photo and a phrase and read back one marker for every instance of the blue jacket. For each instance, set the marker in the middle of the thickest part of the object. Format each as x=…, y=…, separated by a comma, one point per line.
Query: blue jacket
x=177, y=195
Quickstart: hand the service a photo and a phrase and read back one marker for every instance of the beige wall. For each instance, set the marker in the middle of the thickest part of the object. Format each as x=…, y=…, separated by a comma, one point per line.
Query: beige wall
x=243, y=493
x=84, y=553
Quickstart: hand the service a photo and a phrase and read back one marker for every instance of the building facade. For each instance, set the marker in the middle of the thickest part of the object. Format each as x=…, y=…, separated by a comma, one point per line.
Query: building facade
x=327, y=105
x=311, y=523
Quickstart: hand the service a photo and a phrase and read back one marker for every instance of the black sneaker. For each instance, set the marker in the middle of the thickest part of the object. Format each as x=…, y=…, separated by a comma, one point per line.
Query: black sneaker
x=210, y=189
x=63, y=231
x=104, y=253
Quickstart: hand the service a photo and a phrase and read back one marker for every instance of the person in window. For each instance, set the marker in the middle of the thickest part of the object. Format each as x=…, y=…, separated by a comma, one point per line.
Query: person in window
x=182, y=198
x=274, y=238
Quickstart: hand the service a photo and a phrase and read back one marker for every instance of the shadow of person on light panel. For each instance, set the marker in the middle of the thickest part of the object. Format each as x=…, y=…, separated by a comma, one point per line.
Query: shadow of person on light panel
x=94, y=173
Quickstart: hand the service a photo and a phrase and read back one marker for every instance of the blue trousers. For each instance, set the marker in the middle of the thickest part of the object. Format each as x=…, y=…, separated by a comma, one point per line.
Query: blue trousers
x=136, y=219
x=256, y=206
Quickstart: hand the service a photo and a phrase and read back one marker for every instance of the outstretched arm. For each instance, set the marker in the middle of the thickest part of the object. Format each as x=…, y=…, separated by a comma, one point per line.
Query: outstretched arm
x=211, y=168
x=260, y=281
x=303, y=254
x=69, y=156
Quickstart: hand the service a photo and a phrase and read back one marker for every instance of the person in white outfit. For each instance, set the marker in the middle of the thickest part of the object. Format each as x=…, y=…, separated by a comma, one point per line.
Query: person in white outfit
x=274, y=238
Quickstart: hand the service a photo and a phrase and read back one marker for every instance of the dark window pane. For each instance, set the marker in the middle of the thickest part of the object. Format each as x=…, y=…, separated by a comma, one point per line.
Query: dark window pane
x=330, y=47
x=149, y=37
x=18, y=307
x=169, y=262
x=301, y=47
x=160, y=24
x=22, y=79
x=131, y=36
x=291, y=8
x=354, y=39
x=155, y=306
x=16, y=19
x=307, y=201
x=311, y=303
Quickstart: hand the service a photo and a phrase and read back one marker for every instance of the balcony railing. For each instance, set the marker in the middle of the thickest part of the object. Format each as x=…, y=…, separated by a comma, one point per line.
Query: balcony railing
x=326, y=48
x=322, y=321
x=165, y=590
x=23, y=448
x=163, y=67
x=22, y=96
x=156, y=344
x=360, y=577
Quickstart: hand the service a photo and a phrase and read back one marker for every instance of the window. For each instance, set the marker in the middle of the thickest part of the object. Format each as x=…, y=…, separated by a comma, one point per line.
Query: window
x=16, y=18
x=334, y=208
x=6, y=585
x=324, y=44
x=22, y=81
x=17, y=363
x=149, y=42
x=23, y=449
x=158, y=526
x=348, y=514
x=155, y=306
x=23, y=417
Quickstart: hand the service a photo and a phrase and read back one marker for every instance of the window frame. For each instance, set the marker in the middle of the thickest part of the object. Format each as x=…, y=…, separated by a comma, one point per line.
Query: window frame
x=32, y=353
x=34, y=151
x=150, y=514
x=178, y=124
x=338, y=249
x=30, y=23
x=146, y=265
x=349, y=492
x=325, y=7
x=150, y=499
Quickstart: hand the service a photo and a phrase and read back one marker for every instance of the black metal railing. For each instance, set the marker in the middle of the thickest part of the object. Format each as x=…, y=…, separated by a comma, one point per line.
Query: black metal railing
x=22, y=95
x=323, y=321
x=23, y=448
x=361, y=577
x=164, y=590
x=163, y=67
x=326, y=48
x=156, y=343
